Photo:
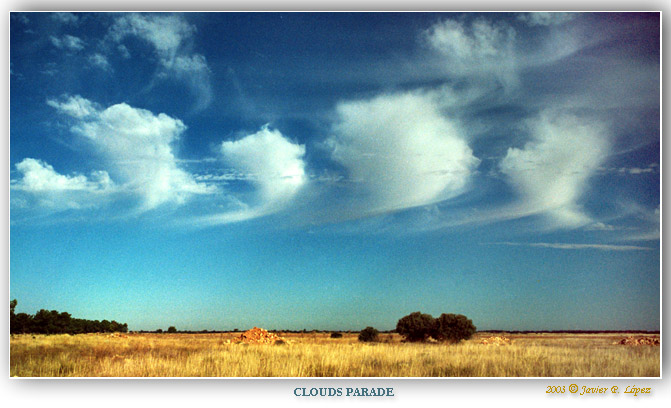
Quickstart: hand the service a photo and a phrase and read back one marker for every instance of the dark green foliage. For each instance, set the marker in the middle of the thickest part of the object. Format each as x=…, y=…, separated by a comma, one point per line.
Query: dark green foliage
x=53, y=322
x=448, y=327
x=416, y=326
x=159, y=330
x=172, y=329
x=452, y=328
x=369, y=334
x=336, y=335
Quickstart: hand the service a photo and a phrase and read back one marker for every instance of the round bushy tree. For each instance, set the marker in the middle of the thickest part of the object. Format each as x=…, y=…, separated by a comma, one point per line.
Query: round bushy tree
x=452, y=328
x=172, y=329
x=369, y=334
x=416, y=326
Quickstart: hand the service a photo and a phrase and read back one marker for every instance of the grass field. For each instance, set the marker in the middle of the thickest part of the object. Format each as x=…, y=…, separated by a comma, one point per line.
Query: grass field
x=318, y=355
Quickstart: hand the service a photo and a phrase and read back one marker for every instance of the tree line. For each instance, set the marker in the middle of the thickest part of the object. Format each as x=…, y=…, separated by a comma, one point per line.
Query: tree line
x=54, y=322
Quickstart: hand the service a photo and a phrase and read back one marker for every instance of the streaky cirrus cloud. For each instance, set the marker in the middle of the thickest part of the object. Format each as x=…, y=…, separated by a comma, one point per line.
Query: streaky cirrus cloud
x=400, y=151
x=556, y=245
x=138, y=147
x=551, y=171
x=59, y=191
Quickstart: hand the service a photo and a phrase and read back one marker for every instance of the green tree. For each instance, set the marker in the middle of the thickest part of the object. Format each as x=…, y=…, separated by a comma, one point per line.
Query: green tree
x=369, y=334
x=452, y=328
x=416, y=326
x=172, y=329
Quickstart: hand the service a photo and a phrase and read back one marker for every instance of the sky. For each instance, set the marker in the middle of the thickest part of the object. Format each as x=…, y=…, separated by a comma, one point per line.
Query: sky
x=333, y=171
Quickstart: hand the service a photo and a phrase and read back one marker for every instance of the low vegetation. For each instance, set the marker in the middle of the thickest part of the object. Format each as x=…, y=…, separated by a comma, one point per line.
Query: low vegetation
x=369, y=334
x=449, y=327
x=320, y=355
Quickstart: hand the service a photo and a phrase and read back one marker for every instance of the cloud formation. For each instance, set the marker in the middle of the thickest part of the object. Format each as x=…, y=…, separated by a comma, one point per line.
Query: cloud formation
x=171, y=37
x=67, y=42
x=272, y=163
x=138, y=146
x=40, y=176
x=601, y=247
x=546, y=19
x=481, y=47
x=551, y=171
x=100, y=61
x=400, y=151
x=58, y=191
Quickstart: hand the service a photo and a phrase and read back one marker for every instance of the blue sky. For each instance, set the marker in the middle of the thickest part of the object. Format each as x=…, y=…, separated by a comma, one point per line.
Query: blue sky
x=336, y=170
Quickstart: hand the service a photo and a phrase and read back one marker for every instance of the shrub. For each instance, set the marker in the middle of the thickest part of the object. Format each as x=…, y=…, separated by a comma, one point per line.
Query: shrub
x=336, y=335
x=369, y=334
x=452, y=328
x=416, y=326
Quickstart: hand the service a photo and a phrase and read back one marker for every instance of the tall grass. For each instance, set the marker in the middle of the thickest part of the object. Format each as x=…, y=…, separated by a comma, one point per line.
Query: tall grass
x=317, y=355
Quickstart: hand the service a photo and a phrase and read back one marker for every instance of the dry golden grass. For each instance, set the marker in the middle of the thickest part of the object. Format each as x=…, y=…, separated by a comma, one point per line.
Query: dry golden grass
x=317, y=355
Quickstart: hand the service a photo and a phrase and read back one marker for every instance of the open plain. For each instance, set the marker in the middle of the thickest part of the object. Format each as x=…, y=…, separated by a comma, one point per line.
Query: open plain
x=318, y=355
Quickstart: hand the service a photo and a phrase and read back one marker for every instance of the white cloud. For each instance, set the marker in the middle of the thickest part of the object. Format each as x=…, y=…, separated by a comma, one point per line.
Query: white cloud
x=68, y=42
x=40, y=176
x=167, y=33
x=400, y=152
x=272, y=162
x=479, y=48
x=552, y=170
x=601, y=247
x=74, y=106
x=171, y=36
x=546, y=18
x=100, y=61
x=192, y=63
x=60, y=191
x=195, y=72
x=139, y=147
x=65, y=18
x=268, y=161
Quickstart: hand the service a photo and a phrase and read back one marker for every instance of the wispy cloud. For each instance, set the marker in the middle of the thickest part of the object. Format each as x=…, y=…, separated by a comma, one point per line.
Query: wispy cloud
x=600, y=247
x=546, y=18
x=100, y=61
x=171, y=36
x=481, y=47
x=67, y=42
x=65, y=18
